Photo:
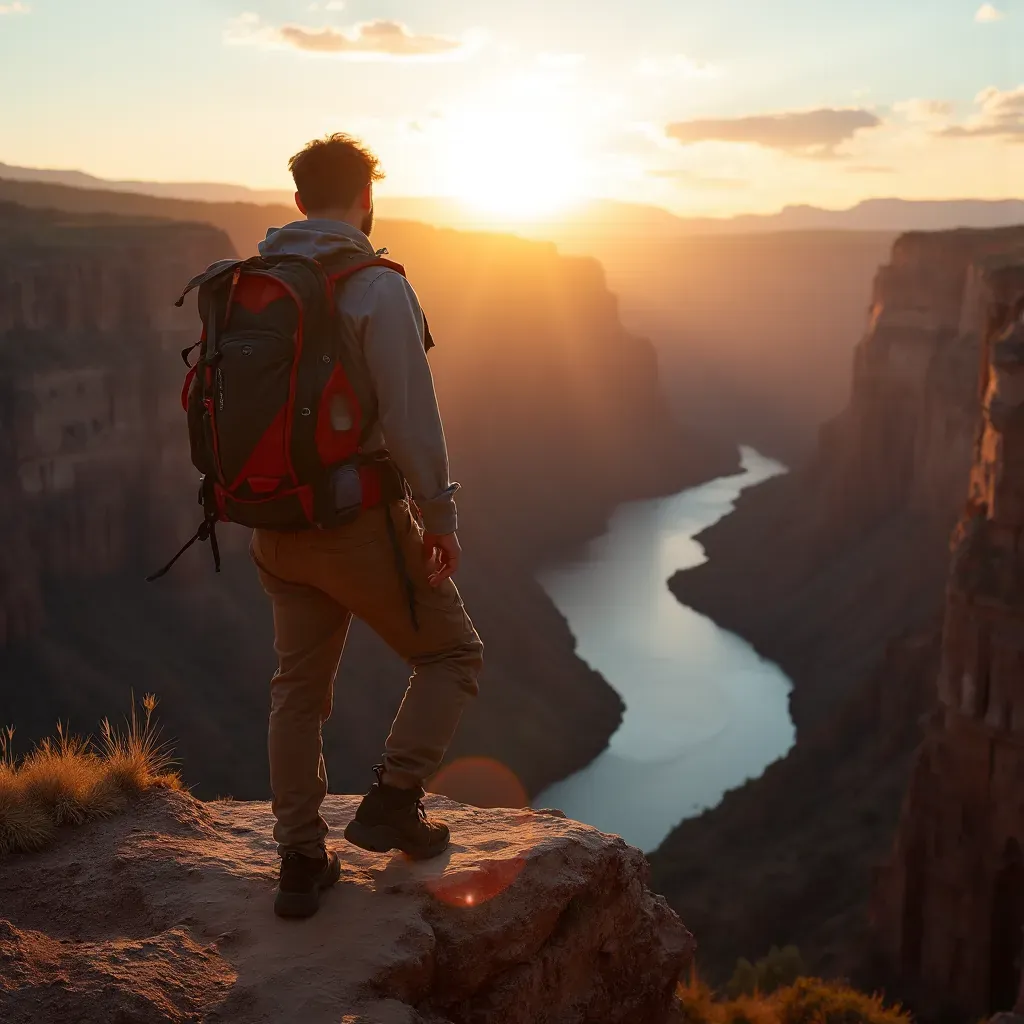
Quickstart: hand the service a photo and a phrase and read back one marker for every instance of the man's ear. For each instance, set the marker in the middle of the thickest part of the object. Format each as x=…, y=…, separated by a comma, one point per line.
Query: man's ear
x=299, y=204
x=366, y=198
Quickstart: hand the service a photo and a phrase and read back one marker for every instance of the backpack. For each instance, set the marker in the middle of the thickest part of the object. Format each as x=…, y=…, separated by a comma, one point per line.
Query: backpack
x=276, y=417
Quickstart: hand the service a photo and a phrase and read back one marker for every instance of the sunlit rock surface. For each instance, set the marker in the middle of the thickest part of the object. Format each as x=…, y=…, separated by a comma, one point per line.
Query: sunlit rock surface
x=950, y=906
x=165, y=914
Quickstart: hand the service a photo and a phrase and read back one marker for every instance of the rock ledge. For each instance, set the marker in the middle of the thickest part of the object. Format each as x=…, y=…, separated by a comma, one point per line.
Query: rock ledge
x=165, y=914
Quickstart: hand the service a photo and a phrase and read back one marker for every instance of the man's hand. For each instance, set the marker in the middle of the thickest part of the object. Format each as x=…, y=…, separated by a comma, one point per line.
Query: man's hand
x=444, y=552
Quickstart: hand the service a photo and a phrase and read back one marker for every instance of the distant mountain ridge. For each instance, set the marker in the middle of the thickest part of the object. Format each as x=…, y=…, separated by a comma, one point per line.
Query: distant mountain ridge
x=209, y=192
x=600, y=216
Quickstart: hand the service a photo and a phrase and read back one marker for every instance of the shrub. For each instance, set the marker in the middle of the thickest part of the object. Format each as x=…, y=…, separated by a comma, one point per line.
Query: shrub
x=67, y=780
x=811, y=1001
x=780, y=967
x=806, y=1001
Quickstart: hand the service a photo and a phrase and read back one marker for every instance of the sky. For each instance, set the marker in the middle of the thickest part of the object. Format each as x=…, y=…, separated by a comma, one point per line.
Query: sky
x=702, y=106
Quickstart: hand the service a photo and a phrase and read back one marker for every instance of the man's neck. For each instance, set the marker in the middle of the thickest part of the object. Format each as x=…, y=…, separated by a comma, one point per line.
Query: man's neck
x=339, y=216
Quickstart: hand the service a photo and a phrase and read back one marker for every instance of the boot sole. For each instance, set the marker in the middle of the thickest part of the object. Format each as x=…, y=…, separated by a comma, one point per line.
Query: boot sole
x=382, y=838
x=306, y=904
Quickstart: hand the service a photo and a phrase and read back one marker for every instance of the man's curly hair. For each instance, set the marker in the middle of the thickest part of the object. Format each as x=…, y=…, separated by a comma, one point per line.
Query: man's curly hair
x=330, y=173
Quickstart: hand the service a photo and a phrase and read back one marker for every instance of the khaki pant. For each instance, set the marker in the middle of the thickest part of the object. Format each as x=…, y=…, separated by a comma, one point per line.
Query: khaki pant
x=317, y=580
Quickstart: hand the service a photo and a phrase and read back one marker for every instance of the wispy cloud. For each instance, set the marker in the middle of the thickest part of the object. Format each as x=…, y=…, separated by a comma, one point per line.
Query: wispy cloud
x=1000, y=114
x=15, y=8
x=988, y=13
x=920, y=111
x=371, y=40
x=812, y=133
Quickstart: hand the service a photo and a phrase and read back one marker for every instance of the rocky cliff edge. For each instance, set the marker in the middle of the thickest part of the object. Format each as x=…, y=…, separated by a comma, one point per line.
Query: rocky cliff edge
x=165, y=914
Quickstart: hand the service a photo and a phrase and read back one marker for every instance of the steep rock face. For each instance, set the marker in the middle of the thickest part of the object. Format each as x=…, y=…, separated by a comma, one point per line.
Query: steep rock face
x=553, y=416
x=165, y=915
x=86, y=330
x=837, y=571
x=790, y=857
x=821, y=568
x=764, y=361
x=949, y=908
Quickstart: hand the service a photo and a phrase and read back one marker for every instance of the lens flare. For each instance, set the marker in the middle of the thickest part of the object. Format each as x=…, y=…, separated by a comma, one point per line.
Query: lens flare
x=478, y=885
x=480, y=782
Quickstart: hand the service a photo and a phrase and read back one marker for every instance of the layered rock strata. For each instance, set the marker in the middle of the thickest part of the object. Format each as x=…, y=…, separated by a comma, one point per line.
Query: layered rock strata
x=950, y=905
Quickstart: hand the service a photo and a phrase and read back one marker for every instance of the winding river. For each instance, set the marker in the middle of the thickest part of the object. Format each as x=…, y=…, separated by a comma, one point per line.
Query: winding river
x=704, y=712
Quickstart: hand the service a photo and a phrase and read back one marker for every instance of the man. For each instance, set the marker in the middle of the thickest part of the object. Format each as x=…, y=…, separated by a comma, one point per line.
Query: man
x=318, y=579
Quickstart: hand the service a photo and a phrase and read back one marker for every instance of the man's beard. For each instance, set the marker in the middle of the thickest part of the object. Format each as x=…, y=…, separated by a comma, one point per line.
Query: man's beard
x=367, y=224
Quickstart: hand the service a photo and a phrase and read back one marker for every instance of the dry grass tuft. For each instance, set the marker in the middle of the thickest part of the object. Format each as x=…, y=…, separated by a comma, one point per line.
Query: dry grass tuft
x=805, y=1001
x=68, y=780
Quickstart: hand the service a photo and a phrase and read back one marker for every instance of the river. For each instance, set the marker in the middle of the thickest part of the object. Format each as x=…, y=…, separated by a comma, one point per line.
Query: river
x=704, y=712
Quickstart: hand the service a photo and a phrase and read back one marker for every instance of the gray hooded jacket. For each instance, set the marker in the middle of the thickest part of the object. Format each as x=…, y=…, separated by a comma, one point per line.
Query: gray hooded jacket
x=385, y=318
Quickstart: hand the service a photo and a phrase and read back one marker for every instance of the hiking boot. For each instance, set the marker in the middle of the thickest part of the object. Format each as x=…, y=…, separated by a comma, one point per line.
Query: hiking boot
x=390, y=818
x=302, y=880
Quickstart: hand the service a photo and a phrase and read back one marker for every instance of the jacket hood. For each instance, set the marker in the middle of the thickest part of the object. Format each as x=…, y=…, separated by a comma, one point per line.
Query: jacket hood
x=318, y=239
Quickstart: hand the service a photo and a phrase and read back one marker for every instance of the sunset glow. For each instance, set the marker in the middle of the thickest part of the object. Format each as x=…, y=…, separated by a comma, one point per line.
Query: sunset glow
x=513, y=161
x=520, y=110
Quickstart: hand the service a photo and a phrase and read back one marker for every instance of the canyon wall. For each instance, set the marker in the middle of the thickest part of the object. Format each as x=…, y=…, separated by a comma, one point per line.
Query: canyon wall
x=821, y=568
x=949, y=907
x=87, y=474
x=754, y=332
x=545, y=397
x=837, y=572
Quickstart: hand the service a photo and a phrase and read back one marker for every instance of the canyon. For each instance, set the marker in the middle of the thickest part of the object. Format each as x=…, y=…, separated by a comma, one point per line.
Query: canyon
x=837, y=572
x=948, y=908
x=736, y=358
x=553, y=415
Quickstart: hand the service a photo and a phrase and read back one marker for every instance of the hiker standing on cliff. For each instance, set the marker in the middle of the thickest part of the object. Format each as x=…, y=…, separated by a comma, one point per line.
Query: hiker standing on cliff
x=318, y=579
x=313, y=419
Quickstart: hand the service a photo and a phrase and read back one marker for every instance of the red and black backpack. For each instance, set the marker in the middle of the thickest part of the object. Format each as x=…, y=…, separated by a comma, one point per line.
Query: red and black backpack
x=276, y=416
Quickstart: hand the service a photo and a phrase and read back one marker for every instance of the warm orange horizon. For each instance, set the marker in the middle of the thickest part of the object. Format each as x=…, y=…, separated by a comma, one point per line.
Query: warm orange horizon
x=522, y=112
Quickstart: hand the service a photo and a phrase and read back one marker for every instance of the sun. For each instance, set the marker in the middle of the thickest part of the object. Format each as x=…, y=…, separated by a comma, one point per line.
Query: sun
x=514, y=162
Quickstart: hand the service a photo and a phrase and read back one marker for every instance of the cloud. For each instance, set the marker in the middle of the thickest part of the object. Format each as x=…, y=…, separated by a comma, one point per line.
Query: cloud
x=811, y=133
x=385, y=38
x=870, y=169
x=381, y=39
x=1000, y=114
x=924, y=111
x=15, y=8
x=987, y=13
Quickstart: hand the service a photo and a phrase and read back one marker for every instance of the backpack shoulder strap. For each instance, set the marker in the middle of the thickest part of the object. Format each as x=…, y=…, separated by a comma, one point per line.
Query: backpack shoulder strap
x=336, y=276
x=339, y=276
x=217, y=269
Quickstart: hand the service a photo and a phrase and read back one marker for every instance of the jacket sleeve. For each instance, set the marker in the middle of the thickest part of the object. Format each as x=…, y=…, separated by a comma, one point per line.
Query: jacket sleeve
x=392, y=339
